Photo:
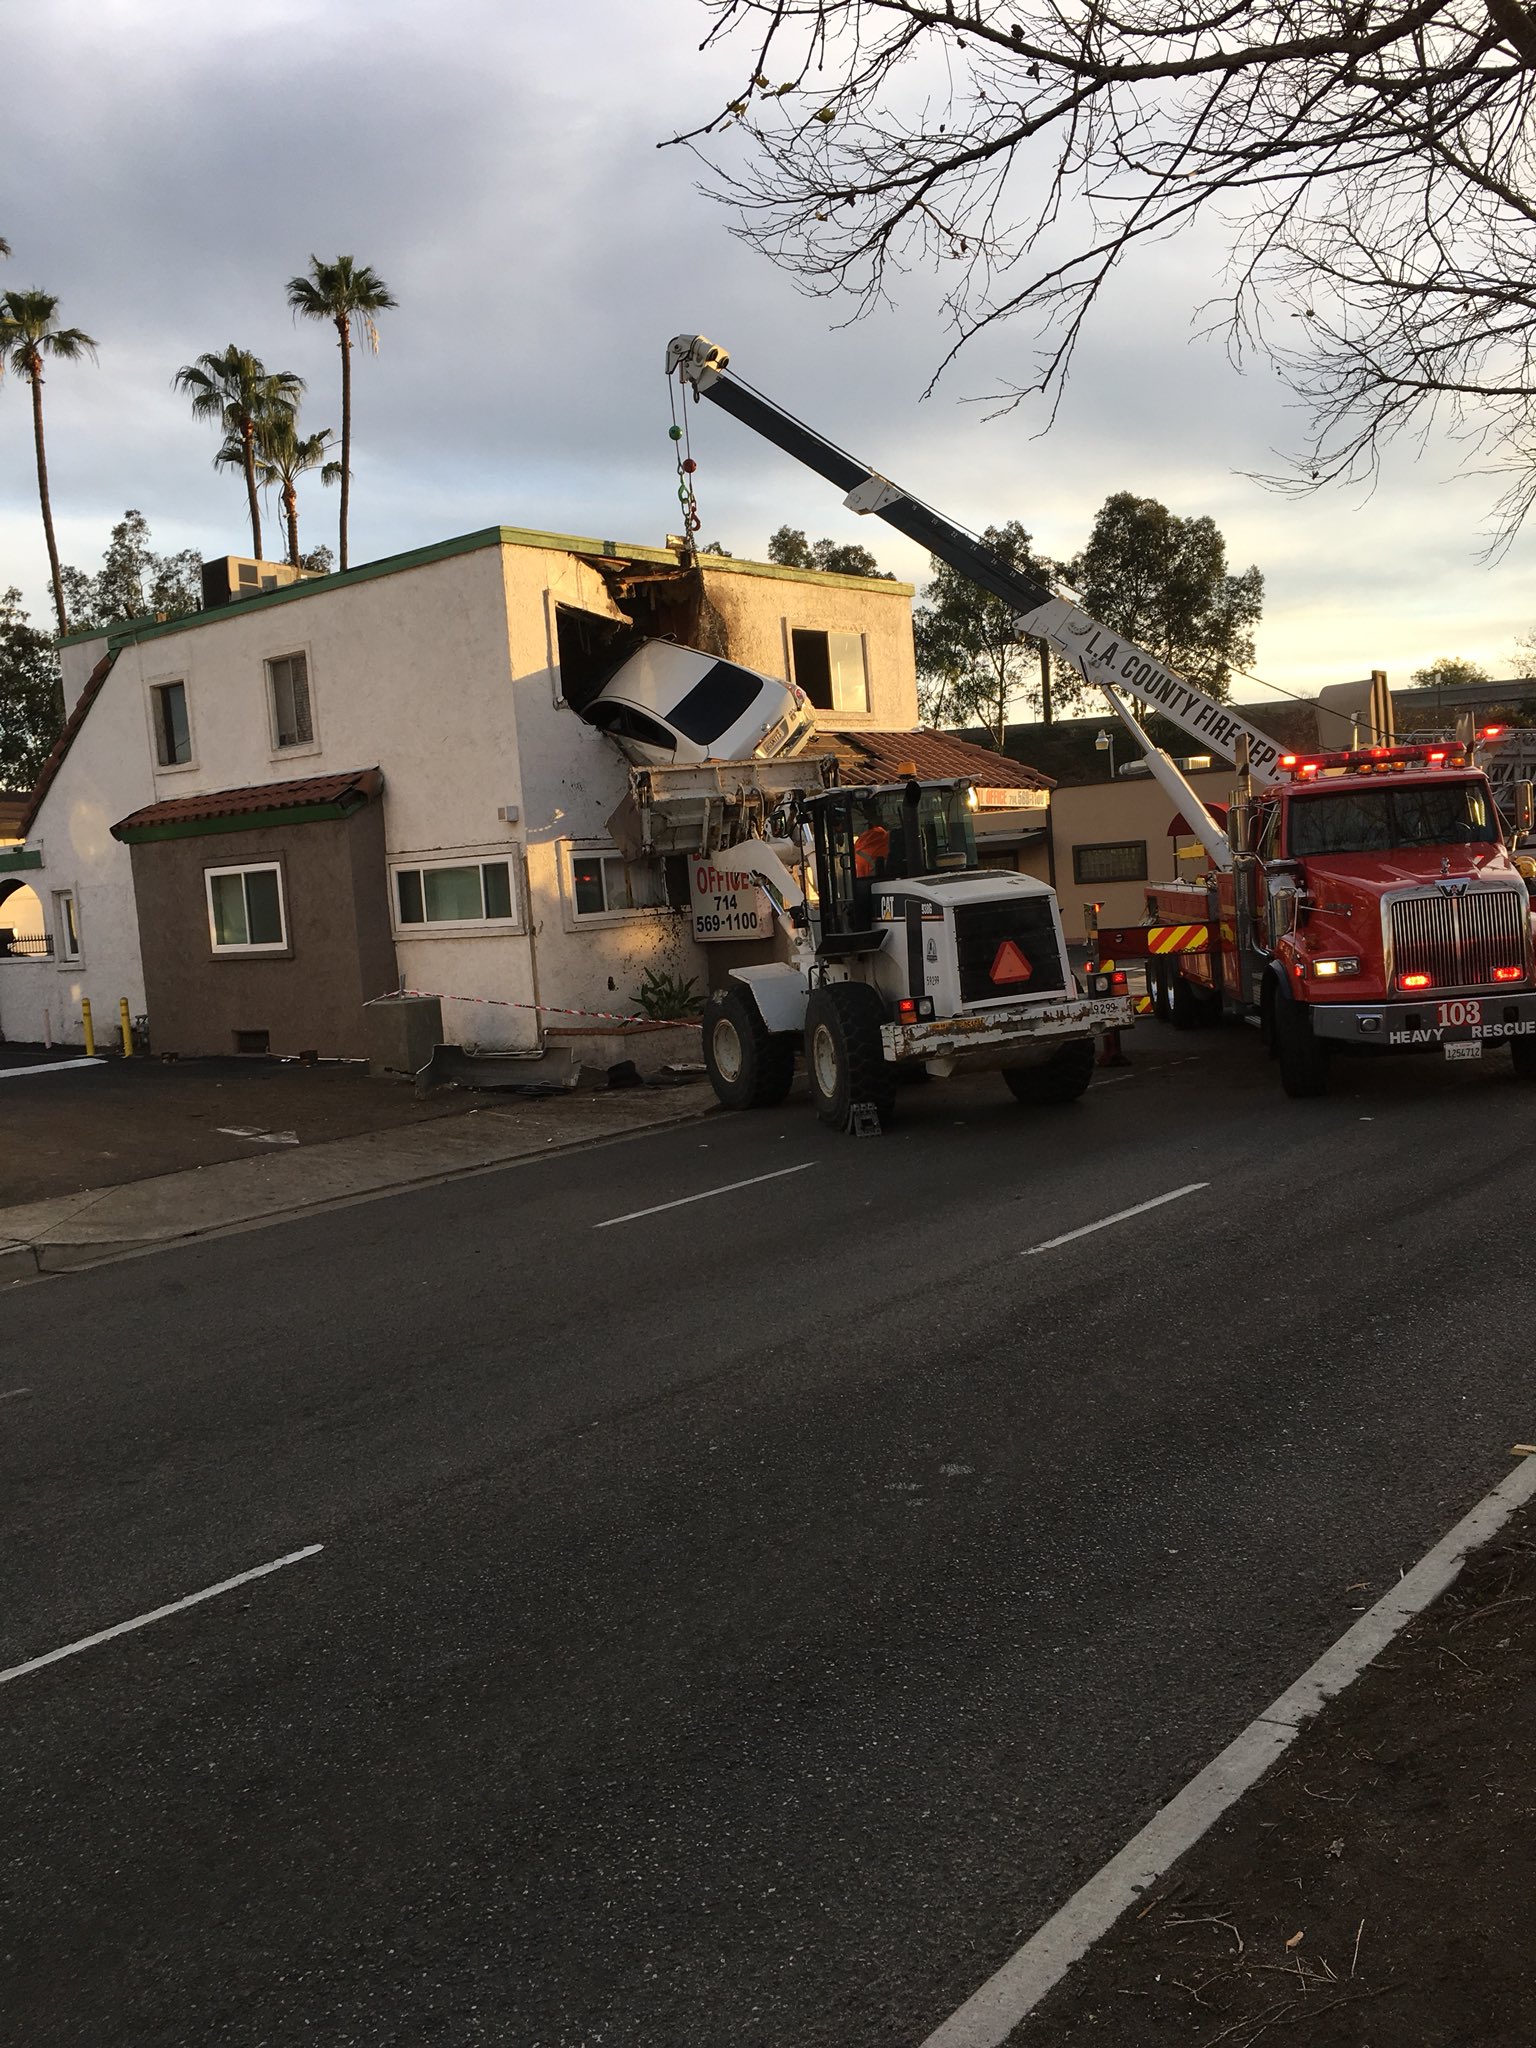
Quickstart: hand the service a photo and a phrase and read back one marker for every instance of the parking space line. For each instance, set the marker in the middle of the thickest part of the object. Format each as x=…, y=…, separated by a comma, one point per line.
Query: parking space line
x=47, y=1067
x=1120, y=1215
x=122, y=1628
x=682, y=1201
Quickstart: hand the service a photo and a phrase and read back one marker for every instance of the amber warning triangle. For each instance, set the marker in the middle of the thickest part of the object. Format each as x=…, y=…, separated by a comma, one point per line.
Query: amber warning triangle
x=1010, y=964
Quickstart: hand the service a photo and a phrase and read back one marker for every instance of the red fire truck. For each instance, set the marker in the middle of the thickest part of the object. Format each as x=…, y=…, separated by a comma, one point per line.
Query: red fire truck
x=1371, y=903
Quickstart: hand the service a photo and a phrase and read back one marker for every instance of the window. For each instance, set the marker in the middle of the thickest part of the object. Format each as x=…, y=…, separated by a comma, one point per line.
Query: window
x=288, y=686
x=625, y=723
x=605, y=884
x=1126, y=861
x=245, y=909
x=721, y=696
x=830, y=668
x=467, y=892
x=173, y=735
x=66, y=926
x=1379, y=820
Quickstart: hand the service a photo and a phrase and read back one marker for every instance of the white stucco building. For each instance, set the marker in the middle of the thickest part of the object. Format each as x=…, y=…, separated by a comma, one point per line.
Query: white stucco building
x=263, y=814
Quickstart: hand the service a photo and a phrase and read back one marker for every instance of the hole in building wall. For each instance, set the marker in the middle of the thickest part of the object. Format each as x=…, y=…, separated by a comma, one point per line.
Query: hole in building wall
x=253, y=1041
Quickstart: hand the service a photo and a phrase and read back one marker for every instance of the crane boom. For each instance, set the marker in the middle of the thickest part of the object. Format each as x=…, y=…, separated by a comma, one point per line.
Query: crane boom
x=1097, y=654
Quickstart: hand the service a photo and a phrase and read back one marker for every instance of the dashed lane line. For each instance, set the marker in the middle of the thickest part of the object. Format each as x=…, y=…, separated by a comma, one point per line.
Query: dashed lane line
x=705, y=1195
x=122, y=1628
x=1120, y=1216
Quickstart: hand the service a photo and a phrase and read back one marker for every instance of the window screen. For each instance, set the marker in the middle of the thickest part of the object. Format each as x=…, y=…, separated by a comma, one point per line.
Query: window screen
x=1125, y=861
x=472, y=893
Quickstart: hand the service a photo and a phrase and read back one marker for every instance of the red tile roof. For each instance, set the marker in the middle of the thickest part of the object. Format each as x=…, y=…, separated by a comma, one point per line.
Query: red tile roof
x=66, y=739
x=350, y=791
x=877, y=757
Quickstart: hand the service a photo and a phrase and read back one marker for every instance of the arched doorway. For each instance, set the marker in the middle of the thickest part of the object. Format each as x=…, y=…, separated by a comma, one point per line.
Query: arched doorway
x=22, y=927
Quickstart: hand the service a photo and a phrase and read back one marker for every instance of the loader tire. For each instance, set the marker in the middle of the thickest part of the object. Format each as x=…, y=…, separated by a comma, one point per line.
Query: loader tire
x=1304, y=1057
x=845, y=1062
x=1063, y=1077
x=749, y=1066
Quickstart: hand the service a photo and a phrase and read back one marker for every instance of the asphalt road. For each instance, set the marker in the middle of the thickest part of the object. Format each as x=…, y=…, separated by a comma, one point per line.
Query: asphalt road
x=744, y=1623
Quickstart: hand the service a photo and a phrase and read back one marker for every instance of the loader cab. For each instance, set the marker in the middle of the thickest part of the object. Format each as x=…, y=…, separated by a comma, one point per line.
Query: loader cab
x=884, y=833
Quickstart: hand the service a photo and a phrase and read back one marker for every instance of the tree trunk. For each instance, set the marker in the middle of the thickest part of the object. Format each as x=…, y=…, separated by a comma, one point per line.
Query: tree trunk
x=1045, y=682
x=291, y=508
x=248, y=440
x=345, y=333
x=35, y=378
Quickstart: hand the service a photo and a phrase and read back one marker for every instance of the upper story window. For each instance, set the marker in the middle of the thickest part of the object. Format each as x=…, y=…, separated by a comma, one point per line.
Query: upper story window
x=293, y=723
x=598, y=882
x=173, y=733
x=831, y=668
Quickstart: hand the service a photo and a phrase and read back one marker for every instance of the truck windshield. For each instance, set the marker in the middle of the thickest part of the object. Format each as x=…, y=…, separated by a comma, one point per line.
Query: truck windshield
x=1380, y=820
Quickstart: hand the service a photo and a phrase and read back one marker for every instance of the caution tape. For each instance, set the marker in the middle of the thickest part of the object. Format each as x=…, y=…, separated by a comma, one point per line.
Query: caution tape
x=433, y=995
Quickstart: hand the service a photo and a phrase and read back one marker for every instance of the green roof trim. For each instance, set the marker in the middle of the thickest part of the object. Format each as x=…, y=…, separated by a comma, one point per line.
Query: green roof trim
x=240, y=821
x=128, y=632
x=13, y=858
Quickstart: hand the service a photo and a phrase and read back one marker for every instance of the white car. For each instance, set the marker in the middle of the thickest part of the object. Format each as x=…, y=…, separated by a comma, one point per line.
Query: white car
x=669, y=704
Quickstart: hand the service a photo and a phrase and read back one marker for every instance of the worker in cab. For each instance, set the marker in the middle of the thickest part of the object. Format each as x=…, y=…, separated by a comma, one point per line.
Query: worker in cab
x=870, y=851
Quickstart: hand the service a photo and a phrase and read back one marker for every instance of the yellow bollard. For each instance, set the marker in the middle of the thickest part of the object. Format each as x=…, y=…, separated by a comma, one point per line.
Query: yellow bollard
x=90, y=1029
x=126, y=1023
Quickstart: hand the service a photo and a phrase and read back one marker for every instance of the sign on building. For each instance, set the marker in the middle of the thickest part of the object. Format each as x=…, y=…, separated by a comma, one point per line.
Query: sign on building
x=727, y=904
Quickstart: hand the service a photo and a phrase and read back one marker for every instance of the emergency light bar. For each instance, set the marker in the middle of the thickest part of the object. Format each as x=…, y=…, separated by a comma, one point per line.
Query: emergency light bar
x=1374, y=760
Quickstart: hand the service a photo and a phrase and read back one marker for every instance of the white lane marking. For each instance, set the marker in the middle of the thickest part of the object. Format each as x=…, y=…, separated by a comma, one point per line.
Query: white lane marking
x=47, y=1067
x=1110, y=1083
x=1120, y=1215
x=14, y=1393
x=990, y=2015
x=683, y=1200
x=105, y=1635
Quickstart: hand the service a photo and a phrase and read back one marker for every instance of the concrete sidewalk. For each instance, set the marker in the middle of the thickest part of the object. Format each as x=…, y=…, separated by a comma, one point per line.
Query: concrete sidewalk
x=65, y=1232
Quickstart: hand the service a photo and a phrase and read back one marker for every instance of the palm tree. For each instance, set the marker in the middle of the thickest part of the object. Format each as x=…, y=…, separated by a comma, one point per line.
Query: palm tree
x=348, y=296
x=240, y=392
x=282, y=457
x=28, y=333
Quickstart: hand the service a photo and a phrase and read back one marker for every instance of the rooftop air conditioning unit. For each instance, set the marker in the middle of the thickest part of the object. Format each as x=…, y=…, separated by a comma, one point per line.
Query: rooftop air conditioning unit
x=227, y=578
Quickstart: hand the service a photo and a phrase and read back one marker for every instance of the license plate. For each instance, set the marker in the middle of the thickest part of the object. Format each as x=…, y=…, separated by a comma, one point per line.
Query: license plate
x=1469, y=1050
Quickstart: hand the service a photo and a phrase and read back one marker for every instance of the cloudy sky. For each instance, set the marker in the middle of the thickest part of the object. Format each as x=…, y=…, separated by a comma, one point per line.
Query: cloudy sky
x=170, y=166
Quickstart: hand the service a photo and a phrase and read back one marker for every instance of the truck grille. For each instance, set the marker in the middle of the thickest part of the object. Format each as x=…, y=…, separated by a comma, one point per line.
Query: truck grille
x=982, y=930
x=1459, y=940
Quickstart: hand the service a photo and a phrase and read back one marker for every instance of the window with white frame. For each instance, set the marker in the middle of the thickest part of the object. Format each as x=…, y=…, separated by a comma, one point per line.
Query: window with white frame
x=246, y=913
x=831, y=669
x=293, y=722
x=66, y=926
x=455, y=893
x=602, y=883
x=173, y=732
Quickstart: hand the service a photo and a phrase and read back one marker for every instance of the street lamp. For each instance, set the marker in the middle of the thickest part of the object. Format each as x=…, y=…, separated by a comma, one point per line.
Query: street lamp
x=1105, y=743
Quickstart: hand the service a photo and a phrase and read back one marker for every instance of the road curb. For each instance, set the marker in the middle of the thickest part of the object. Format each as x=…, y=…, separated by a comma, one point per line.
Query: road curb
x=53, y=1258
x=990, y=2016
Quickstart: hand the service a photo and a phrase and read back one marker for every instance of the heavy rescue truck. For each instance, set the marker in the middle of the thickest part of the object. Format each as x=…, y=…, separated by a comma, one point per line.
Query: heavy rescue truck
x=1363, y=900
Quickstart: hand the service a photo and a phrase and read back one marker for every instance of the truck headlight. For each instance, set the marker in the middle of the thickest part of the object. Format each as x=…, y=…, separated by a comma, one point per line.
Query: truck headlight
x=1329, y=968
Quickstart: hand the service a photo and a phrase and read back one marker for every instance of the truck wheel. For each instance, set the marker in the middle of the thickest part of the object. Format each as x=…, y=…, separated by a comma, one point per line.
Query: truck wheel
x=1062, y=1078
x=1158, y=989
x=1522, y=1053
x=1303, y=1056
x=749, y=1066
x=844, y=1059
x=1189, y=1009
